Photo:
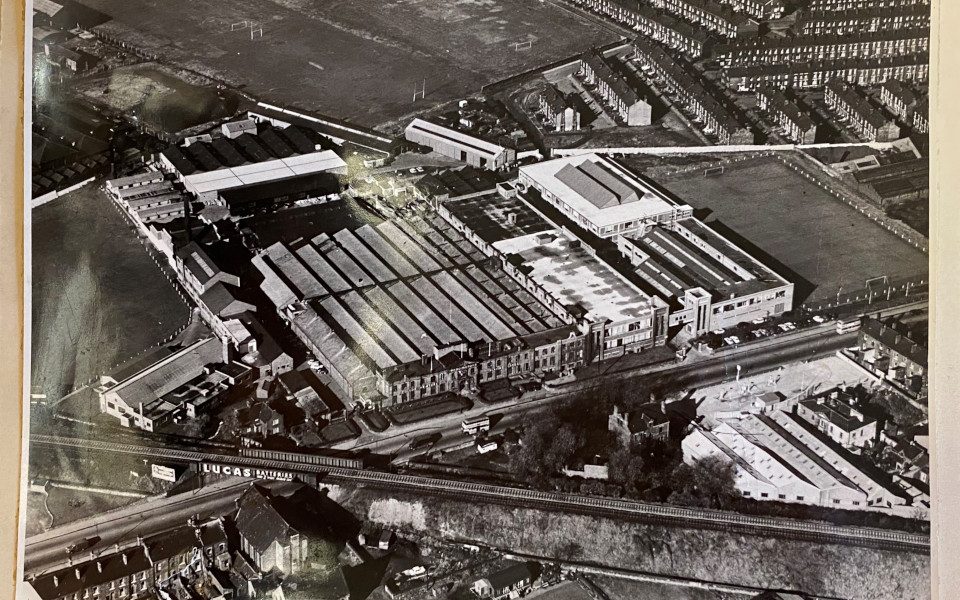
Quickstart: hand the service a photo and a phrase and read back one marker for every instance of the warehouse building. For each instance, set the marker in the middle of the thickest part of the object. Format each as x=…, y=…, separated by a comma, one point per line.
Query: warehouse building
x=167, y=386
x=461, y=146
x=780, y=457
x=411, y=308
x=562, y=272
x=147, y=198
x=599, y=195
x=617, y=316
x=240, y=155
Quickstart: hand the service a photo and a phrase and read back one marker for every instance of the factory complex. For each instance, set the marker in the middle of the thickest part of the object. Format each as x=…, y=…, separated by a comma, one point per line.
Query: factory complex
x=578, y=260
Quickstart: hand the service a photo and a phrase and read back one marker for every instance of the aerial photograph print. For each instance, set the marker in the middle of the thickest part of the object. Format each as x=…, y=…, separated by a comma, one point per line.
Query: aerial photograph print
x=477, y=299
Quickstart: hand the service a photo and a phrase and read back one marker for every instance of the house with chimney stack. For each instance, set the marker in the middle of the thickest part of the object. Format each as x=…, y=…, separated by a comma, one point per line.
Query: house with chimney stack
x=141, y=570
x=836, y=414
x=643, y=422
x=891, y=353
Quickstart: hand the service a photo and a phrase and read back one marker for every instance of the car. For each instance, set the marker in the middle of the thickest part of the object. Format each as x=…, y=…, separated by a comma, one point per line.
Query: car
x=718, y=331
x=82, y=544
x=819, y=319
x=759, y=321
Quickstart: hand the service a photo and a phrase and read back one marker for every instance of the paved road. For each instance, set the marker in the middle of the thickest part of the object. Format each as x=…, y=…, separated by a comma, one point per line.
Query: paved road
x=803, y=345
x=46, y=550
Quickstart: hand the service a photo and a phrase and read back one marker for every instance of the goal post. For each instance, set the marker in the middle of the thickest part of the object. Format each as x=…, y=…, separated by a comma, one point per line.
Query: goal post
x=711, y=171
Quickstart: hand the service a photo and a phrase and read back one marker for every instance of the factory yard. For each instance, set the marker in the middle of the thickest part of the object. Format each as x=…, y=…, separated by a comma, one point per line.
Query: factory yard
x=814, y=240
x=157, y=98
x=790, y=381
x=361, y=59
x=98, y=296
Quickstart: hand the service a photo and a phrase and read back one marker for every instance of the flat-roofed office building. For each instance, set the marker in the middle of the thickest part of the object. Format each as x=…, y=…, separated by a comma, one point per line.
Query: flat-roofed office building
x=709, y=282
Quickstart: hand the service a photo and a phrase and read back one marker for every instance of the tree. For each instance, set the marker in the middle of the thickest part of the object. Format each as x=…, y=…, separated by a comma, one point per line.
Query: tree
x=709, y=482
x=322, y=554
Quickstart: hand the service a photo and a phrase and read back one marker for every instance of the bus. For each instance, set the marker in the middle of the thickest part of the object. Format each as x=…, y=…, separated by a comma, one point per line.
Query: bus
x=848, y=326
x=476, y=425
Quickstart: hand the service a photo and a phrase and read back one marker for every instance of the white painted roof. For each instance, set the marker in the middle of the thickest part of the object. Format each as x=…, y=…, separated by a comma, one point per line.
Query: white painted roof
x=270, y=170
x=646, y=203
x=446, y=134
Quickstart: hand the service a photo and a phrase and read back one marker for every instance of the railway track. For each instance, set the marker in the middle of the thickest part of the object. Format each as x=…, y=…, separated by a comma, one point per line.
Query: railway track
x=526, y=498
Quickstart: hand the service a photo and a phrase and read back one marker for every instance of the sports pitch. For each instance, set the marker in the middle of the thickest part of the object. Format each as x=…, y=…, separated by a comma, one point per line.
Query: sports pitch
x=357, y=59
x=804, y=233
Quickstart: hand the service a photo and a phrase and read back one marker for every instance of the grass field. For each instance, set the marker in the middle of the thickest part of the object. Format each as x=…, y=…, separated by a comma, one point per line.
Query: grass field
x=804, y=233
x=98, y=297
x=360, y=59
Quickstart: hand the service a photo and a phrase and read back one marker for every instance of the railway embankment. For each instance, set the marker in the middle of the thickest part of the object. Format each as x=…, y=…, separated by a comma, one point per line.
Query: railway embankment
x=817, y=567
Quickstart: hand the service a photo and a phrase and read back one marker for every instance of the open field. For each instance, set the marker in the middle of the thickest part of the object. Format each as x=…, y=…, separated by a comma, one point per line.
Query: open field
x=98, y=297
x=795, y=227
x=358, y=59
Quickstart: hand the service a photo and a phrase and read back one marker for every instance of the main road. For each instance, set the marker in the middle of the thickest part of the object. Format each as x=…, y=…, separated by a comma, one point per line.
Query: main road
x=122, y=526
x=756, y=357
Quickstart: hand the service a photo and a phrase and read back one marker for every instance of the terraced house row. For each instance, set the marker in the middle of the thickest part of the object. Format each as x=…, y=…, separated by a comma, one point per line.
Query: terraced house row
x=867, y=120
x=656, y=25
x=850, y=22
x=762, y=10
x=710, y=15
x=841, y=5
x=807, y=48
x=816, y=74
x=614, y=90
x=796, y=124
x=677, y=81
